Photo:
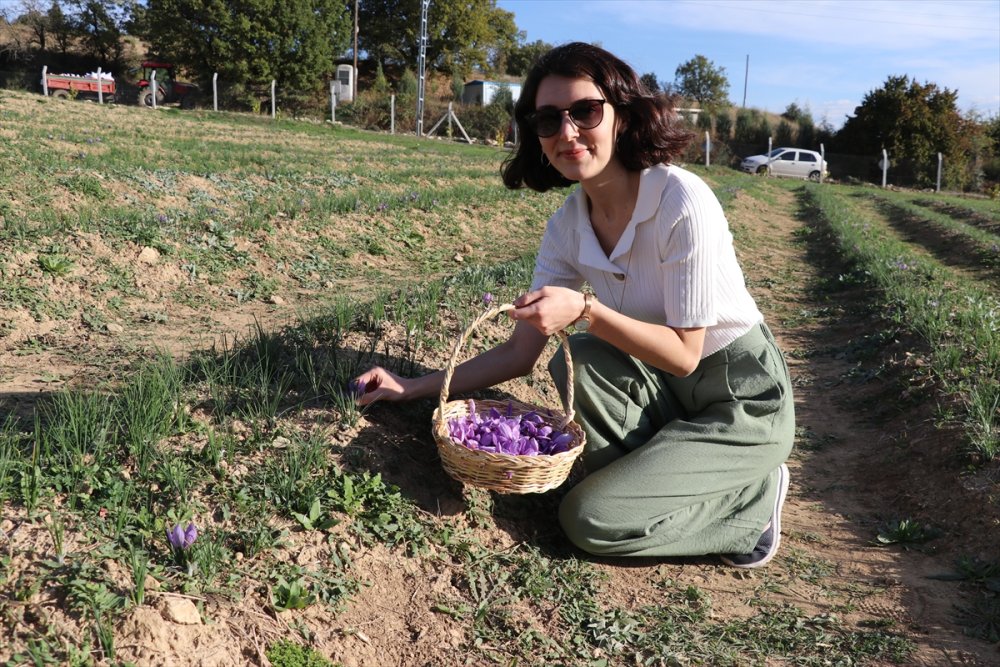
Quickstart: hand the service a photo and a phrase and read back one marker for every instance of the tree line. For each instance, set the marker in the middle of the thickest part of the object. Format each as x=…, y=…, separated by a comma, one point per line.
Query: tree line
x=300, y=43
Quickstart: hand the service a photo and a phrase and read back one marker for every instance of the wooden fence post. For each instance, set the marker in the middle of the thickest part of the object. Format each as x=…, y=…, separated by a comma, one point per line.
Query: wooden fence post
x=215, y=91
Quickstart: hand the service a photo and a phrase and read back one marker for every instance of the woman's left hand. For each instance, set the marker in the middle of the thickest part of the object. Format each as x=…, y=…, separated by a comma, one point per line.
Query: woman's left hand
x=549, y=309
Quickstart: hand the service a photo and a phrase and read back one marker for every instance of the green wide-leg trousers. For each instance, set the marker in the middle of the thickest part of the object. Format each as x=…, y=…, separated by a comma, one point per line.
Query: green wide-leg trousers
x=677, y=466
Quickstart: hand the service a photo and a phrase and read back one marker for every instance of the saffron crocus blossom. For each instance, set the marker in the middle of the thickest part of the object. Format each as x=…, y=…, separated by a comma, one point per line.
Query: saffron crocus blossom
x=359, y=389
x=487, y=299
x=182, y=538
x=520, y=435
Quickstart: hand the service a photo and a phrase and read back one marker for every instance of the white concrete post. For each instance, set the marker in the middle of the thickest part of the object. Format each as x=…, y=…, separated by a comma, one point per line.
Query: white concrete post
x=100, y=87
x=152, y=87
x=940, y=159
x=708, y=149
x=273, y=113
x=392, y=114
x=45, y=80
x=769, y=156
x=822, y=162
x=333, y=102
x=215, y=91
x=885, y=166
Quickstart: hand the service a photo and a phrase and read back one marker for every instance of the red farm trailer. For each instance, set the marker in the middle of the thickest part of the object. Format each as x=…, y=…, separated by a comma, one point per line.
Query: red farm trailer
x=80, y=86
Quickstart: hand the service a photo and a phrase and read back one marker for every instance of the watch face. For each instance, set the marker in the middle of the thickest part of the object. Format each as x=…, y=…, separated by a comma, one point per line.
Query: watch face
x=581, y=324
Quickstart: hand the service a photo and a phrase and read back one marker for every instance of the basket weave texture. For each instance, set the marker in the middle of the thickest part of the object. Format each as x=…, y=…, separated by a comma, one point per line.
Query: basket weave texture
x=505, y=473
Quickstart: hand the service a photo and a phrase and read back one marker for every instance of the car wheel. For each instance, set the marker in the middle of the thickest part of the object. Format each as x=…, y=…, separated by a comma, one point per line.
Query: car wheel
x=762, y=170
x=814, y=176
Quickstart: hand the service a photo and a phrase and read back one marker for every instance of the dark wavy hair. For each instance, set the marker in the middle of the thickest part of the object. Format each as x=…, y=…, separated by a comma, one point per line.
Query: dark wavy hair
x=650, y=134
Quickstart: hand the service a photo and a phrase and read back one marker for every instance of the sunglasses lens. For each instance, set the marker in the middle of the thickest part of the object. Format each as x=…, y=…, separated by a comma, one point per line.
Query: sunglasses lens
x=587, y=115
x=545, y=123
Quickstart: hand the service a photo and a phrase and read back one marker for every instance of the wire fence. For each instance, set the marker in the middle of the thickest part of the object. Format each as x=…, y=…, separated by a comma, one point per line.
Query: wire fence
x=492, y=124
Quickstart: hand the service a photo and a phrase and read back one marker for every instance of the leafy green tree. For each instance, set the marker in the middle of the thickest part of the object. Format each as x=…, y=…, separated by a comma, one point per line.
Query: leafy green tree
x=649, y=80
x=381, y=84
x=701, y=80
x=461, y=34
x=100, y=26
x=793, y=112
x=723, y=126
x=60, y=26
x=807, y=132
x=36, y=20
x=910, y=120
x=408, y=84
x=783, y=135
x=253, y=41
x=522, y=56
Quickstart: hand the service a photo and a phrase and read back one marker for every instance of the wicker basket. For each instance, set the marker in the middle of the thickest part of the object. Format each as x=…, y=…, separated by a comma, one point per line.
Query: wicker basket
x=505, y=473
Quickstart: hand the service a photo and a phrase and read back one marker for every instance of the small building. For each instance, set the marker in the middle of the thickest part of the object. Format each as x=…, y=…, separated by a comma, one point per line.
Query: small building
x=481, y=92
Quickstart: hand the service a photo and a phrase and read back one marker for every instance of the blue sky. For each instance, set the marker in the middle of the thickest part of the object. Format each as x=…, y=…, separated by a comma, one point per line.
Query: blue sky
x=821, y=54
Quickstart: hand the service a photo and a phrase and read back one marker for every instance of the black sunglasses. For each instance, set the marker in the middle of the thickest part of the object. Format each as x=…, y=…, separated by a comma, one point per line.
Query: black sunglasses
x=585, y=114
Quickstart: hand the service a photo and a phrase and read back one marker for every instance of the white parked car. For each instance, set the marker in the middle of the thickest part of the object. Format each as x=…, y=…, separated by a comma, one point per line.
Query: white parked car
x=794, y=162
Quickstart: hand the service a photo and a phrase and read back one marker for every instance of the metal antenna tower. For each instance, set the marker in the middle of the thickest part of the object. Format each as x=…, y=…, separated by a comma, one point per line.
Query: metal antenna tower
x=421, y=66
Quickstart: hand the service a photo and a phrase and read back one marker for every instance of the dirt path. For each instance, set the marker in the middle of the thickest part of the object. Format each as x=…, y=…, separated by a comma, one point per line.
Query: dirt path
x=842, y=484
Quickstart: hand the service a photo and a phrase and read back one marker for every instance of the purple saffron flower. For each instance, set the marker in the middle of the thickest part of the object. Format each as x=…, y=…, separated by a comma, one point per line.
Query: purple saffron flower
x=182, y=538
x=487, y=299
x=357, y=388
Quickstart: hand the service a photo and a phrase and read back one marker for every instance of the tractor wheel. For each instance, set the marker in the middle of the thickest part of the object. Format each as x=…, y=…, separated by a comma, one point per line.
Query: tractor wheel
x=61, y=93
x=189, y=102
x=146, y=97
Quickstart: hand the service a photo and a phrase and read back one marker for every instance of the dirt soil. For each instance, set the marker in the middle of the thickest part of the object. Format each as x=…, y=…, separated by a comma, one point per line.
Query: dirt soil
x=863, y=459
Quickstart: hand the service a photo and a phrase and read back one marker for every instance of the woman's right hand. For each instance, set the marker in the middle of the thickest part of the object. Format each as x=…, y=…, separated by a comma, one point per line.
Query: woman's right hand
x=378, y=384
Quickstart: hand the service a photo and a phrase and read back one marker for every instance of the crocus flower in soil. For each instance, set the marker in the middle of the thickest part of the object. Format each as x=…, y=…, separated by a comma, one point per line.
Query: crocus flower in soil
x=182, y=538
x=487, y=299
x=359, y=389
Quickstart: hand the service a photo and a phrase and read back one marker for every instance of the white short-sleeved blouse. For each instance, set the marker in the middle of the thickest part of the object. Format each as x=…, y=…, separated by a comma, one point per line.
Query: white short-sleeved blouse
x=674, y=264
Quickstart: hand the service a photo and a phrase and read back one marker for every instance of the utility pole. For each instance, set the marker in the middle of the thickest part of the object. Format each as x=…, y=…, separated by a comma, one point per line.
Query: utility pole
x=354, y=79
x=746, y=75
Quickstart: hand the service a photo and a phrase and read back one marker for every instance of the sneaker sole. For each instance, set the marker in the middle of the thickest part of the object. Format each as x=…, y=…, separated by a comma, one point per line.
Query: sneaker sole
x=779, y=501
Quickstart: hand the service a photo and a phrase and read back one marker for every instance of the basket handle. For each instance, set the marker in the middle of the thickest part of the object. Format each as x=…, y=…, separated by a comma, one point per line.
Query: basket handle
x=489, y=314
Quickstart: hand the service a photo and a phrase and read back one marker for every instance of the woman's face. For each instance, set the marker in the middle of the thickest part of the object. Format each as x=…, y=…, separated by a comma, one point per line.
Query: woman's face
x=578, y=154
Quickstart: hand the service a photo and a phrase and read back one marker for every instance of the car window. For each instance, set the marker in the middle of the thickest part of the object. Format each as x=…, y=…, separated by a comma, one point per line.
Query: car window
x=776, y=152
x=806, y=157
x=790, y=155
